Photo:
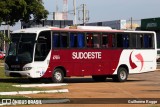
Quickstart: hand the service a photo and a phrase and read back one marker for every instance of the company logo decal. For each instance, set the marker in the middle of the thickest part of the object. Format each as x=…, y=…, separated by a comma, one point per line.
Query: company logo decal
x=132, y=64
x=86, y=55
x=139, y=57
x=56, y=57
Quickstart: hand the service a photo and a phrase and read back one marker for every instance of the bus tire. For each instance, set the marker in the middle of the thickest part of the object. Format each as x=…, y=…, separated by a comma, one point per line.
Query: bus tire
x=58, y=75
x=99, y=78
x=121, y=76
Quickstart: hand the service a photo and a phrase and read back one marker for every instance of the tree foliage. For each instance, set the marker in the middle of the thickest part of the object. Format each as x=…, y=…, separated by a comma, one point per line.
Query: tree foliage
x=12, y=11
x=3, y=37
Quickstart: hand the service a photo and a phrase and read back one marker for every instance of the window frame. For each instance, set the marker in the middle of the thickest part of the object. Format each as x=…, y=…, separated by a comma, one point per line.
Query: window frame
x=94, y=34
x=129, y=44
x=48, y=47
x=60, y=40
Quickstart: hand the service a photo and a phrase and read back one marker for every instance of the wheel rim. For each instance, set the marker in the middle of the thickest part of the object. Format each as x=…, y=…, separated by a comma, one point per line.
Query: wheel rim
x=123, y=75
x=58, y=76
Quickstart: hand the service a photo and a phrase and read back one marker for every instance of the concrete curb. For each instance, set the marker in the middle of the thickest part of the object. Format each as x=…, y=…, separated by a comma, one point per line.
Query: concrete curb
x=39, y=85
x=33, y=92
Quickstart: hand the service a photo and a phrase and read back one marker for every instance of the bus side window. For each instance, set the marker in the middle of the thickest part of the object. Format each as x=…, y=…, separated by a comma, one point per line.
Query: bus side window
x=132, y=41
x=89, y=40
x=139, y=41
x=119, y=40
x=96, y=40
x=151, y=41
x=73, y=40
x=110, y=41
x=125, y=41
x=56, y=40
x=43, y=46
x=64, y=40
x=122, y=40
x=104, y=41
x=148, y=41
x=81, y=40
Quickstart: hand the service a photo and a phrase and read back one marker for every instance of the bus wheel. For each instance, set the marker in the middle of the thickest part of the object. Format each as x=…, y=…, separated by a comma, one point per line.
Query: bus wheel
x=121, y=76
x=99, y=78
x=58, y=76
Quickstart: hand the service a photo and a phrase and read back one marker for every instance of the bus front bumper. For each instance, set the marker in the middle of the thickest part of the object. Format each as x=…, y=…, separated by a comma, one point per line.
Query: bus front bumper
x=29, y=74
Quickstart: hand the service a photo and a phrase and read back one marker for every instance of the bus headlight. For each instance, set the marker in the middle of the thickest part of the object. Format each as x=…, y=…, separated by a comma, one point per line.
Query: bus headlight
x=6, y=67
x=27, y=68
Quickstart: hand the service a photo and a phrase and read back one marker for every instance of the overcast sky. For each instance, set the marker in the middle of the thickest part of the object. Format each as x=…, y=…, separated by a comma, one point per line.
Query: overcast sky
x=107, y=10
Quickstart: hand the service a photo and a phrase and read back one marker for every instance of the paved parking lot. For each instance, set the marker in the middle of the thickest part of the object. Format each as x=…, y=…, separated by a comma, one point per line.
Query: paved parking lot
x=138, y=86
x=85, y=92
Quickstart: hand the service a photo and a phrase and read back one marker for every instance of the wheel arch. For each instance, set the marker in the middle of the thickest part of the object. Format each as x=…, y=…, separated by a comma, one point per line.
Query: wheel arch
x=62, y=68
x=124, y=66
x=122, y=74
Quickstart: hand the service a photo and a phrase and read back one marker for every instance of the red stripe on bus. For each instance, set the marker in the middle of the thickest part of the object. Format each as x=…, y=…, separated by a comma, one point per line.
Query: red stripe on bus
x=84, y=62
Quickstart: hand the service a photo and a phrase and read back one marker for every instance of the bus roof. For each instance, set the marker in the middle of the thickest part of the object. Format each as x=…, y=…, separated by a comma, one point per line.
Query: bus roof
x=138, y=31
x=76, y=29
x=34, y=30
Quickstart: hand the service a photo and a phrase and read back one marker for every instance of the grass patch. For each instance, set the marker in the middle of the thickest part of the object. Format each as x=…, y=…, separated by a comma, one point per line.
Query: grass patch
x=6, y=96
x=1, y=61
x=7, y=87
x=2, y=73
x=7, y=82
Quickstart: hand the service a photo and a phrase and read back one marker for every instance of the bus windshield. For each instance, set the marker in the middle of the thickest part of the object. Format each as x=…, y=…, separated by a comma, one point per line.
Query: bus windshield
x=21, y=47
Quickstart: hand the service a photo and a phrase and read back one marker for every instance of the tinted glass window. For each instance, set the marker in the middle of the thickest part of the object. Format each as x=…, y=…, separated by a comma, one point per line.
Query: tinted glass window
x=60, y=40
x=43, y=46
x=108, y=40
x=139, y=41
x=56, y=40
x=104, y=41
x=73, y=40
x=22, y=45
x=89, y=39
x=123, y=40
x=133, y=39
x=64, y=40
x=148, y=41
x=120, y=40
x=96, y=40
x=81, y=40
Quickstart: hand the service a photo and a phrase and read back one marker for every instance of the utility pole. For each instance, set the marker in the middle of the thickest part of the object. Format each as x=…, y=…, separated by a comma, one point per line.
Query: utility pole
x=84, y=14
x=131, y=23
x=75, y=18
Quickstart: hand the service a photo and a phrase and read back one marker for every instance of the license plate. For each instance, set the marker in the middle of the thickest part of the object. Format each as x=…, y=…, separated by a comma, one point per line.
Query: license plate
x=15, y=66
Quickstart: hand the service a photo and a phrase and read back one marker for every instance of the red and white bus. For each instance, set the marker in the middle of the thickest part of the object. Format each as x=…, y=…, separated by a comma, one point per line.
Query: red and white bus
x=100, y=52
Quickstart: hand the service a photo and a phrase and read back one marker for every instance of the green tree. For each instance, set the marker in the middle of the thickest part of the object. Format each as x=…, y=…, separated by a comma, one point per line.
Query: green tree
x=12, y=11
x=3, y=38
